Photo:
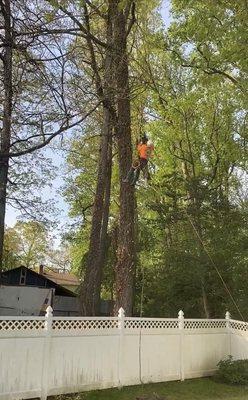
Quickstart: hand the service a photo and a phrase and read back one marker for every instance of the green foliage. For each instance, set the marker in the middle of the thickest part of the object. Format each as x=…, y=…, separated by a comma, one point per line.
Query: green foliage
x=27, y=243
x=11, y=249
x=233, y=371
x=195, y=190
x=188, y=94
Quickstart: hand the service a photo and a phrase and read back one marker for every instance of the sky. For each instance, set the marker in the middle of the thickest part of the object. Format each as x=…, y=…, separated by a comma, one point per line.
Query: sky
x=59, y=160
x=165, y=12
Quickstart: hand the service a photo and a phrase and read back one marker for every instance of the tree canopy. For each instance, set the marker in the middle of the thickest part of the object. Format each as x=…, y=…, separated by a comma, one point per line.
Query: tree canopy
x=102, y=74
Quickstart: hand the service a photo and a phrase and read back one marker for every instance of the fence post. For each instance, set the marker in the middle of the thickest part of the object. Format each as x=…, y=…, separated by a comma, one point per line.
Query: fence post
x=228, y=329
x=227, y=318
x=46, y=353
x=181, y=329
x=121, y=327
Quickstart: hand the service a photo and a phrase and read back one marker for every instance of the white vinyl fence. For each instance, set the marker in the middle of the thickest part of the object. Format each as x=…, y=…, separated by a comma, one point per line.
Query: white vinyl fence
x=41, y=356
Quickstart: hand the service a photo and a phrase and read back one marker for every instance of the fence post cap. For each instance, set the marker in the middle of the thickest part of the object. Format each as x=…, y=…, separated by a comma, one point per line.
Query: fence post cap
x=181, y=314
x=49, y=311
x=228, y=315
x=121, y=313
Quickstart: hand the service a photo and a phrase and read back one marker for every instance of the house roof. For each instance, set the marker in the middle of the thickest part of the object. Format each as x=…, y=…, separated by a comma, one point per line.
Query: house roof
x=59, y=289
x=62, y=278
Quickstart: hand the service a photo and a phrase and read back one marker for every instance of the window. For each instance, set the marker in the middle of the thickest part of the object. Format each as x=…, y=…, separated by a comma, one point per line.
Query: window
x=23, y=277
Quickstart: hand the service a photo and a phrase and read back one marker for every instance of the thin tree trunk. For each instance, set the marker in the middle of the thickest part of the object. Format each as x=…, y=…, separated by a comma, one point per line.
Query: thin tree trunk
x=202, y=256
x=6, y=129
x=90, y=294
x=125, y=266
x=195, y=213
x=205, y=302
x=101, y=261
x=105, y=219
x=196, y=206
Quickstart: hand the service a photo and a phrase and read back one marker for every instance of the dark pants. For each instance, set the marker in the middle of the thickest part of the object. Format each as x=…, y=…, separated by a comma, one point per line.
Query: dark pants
x=134, y=173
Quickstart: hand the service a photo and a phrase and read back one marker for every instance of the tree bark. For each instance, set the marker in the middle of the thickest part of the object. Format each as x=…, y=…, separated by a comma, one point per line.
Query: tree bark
x=6, y=127
x=125, y=266
x=91, y=288
x=90, y=296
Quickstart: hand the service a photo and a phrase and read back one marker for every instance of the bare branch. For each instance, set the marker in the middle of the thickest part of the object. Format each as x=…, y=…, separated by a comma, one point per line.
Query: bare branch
x=133, y=19
x=209, y=71
x=80, y=25
x=65, y=127
x=96, y=9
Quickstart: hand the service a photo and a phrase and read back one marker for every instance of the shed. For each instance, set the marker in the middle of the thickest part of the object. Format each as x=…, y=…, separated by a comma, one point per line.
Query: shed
x=63, y=301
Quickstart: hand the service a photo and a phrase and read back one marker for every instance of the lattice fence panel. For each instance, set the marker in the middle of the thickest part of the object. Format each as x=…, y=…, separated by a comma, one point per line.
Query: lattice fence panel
x=79, y=324
x=204, y=324
x=150, y=324
x=238, y=325
x=22, y=325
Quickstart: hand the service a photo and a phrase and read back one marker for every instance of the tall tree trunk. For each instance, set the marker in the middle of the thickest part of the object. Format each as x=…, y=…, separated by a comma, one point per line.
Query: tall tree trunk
x=106, y=207
x=90, y=296
x=91, y=288
x=6, y=128
x=125, y=266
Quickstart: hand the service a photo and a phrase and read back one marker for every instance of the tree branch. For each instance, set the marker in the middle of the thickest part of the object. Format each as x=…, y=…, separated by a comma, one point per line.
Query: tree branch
x=209, y=71
x=133, y=19
x=96, y=9
x=99, y=85
x=80, y=25
x=51, y=137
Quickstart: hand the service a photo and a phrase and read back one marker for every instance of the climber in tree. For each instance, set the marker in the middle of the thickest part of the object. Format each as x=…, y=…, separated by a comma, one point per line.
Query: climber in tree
x=145, y=151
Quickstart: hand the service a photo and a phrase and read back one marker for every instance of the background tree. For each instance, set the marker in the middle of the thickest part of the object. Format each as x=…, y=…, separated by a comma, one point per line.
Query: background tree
x=11, y=249
x=27, y=243
x=197, y=122
x=121, y=98
x=199, y=127
x=181, y=242
x=35, y=78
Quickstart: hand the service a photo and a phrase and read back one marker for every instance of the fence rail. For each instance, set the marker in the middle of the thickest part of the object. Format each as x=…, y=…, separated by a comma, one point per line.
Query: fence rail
x=43, y=356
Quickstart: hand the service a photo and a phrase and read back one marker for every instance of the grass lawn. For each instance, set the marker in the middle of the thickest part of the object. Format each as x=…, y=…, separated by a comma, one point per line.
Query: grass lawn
x=195, y=389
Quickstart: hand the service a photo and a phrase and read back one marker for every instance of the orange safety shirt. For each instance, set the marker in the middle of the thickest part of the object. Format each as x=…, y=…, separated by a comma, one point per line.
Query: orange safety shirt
x=143, y=150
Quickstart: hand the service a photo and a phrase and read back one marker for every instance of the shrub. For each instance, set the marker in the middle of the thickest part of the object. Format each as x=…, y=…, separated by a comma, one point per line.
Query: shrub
x=233, y=371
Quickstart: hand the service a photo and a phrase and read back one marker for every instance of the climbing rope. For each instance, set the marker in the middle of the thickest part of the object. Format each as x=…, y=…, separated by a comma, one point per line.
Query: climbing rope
x=227, y=289
x=215, y=266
